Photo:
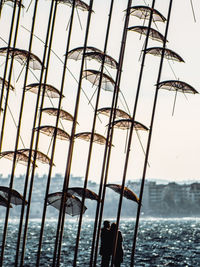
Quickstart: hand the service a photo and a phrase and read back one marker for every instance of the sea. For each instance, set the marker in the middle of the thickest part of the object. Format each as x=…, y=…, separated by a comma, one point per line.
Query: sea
x=160, y=242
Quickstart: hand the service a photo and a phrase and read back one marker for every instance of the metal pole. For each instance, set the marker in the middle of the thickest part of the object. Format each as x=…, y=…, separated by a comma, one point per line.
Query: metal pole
x=60, y=226
x=93, y=131
x=111, y=129
x=39, y=122
x=149, y=138
x=14, y=159
x=54, y=139
x=131, y=129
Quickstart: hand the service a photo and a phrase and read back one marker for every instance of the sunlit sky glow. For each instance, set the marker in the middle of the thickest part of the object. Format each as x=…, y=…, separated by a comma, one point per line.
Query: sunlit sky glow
x=175, y=146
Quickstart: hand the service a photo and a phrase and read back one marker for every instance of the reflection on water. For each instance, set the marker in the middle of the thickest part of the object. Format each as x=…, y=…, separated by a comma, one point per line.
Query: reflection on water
x=161, y=242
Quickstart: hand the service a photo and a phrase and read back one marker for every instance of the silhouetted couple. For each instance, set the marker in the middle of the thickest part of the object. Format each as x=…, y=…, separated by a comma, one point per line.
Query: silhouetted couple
x=108, y=237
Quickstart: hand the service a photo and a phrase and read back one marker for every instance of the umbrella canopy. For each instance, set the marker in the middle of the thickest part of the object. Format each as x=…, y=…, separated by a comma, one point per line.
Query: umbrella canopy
x=22, y=56
x=119, y=113
x=20, y=156
x=79, y=191
x=129, y=194
x=72, y=203
x=126, y=124
x=6, y=84
x=4, y=202
x=12, y=2
x=153, y=34
x=50, y=131
x=168, y=53
x=144, y=12
x=40, y=156
x=77, y=52
x=16, y=197
x=78, y=3
x=99, y=56
x=63, y=114
x=97, y=138
x=93, y=76
x=176, y=85
x=50, y=91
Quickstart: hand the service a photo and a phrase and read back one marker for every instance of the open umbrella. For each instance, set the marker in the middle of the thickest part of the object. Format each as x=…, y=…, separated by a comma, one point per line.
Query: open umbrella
x=127, y=192
x=72, y=203
x=16, y=197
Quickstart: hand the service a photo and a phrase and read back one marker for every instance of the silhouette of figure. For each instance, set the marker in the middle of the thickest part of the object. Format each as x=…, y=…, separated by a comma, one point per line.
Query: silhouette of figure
x=118, y=258
x=106, y=244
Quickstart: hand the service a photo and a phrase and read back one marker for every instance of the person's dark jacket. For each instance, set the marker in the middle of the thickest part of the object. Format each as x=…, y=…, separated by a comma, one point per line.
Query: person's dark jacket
x=106, y=242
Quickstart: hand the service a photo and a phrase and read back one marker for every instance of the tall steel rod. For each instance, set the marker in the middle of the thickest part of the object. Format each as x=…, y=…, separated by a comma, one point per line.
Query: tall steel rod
x=131, y=130
x=111, y=130
x=20, y=117
x=149, y=136
x=5, y=73
x=14, y=159
x=37, y=136
x=54, y=138
x=93, y=131
x=60, y=226
x=34, y=123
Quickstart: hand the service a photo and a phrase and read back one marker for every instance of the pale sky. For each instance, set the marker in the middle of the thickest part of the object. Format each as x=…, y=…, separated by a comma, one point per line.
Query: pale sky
x=175, y=146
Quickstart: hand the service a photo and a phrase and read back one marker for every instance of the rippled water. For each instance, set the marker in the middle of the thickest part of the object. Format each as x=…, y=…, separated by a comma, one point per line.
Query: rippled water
x=161, y=242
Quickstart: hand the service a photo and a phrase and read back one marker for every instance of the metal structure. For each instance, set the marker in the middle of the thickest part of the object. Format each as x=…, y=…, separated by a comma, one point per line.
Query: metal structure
x=49, y=81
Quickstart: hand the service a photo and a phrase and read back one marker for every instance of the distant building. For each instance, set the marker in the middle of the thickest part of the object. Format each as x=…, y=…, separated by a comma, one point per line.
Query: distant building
x=170, y=199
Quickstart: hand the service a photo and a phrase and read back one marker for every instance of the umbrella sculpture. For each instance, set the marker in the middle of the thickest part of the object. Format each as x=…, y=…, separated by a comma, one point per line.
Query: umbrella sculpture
x=20, y=156
x=50, y=131
x=153, y=34
x=4, y=202
x=50, y=90
x=144, y=12
x=79, y=191
x=62, y=115
x=119, y=113
x=72, y=204
x=16, y=197
x=79, y=4
x=177, y=86
x=97, y=138
x=77, y=52
x=126, y=124
x=93, y=76
x=129, y=194
x=168, y=53
x=22, y=56
x=6, y=84
x=99, y=56
x=40, y=156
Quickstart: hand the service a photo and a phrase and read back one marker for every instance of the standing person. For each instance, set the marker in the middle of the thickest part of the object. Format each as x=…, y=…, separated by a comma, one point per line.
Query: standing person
x=106, y=244
x=119, y=253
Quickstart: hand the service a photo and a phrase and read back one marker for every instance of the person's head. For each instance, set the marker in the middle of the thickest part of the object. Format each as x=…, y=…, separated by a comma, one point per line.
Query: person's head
x=106, y=224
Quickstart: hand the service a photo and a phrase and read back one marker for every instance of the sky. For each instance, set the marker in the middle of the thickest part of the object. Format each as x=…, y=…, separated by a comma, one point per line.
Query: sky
x=175, y=146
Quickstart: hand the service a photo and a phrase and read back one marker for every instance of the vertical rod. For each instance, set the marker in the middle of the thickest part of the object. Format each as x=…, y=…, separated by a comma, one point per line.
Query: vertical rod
x=111, y=129
x=54, y=139
x=93, y=131
x=34, y=123
x=149, y=138
x=60, y=226
x=7, y=55
x=14, y=159
x=37, y=136
x=131, y=129
x=174, y=102
x=22, y=103
x=5, y=73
